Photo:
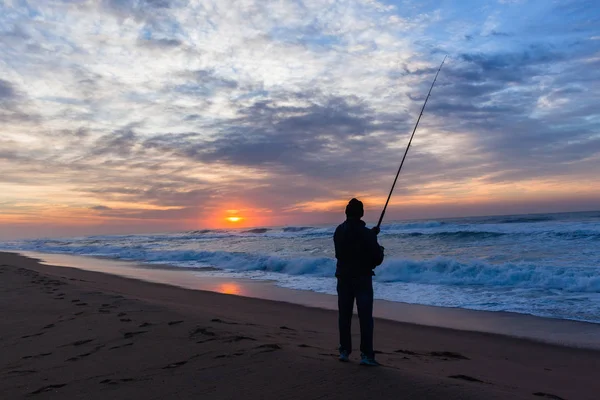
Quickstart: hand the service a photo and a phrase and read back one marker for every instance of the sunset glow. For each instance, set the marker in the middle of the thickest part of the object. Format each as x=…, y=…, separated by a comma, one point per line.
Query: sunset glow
x=229, y=288
x=131, y=116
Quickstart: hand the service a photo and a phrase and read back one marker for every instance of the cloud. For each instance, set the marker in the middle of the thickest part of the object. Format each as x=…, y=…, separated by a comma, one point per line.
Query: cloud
x=170, y=109
x=160, y=43
x=100, y=208
x=6, y=90
x=121, y=143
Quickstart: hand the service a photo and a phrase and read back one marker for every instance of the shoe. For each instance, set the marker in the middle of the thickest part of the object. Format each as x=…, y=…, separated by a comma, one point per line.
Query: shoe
x=369, y=361
x=344, y=356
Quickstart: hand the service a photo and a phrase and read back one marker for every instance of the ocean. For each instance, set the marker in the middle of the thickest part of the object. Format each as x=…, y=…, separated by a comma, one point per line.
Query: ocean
x=541, y=264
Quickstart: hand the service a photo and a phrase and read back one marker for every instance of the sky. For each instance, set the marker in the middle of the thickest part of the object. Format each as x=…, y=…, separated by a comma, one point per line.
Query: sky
x=124, y=116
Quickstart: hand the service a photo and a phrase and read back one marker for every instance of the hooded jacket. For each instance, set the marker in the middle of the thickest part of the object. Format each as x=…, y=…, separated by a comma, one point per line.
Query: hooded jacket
x=356, y=249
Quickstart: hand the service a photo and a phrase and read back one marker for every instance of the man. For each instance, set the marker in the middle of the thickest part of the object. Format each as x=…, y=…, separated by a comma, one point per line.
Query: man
x=357, y=253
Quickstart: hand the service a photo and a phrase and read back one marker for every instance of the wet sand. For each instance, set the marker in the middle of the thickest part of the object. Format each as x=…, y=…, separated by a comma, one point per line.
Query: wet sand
x=69, y=333
x=549, y=330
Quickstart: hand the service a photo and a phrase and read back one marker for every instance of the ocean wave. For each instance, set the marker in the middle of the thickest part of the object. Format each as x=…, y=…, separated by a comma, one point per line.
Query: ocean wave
x=412, y=225
x=297, y=228
x=437, y=271
x=577, y=234
x=257, y=230
x=525, y=219
x=453, y=234
x=200, y=231
x=445, y=271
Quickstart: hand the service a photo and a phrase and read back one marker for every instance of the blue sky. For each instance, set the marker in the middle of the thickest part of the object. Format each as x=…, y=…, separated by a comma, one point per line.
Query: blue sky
x=146, y=115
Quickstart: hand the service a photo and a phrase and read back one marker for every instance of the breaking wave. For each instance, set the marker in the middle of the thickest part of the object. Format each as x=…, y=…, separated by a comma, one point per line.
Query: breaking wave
x=438, y=271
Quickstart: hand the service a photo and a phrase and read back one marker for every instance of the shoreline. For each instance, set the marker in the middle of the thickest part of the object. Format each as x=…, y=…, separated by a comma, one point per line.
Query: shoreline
x=71, y=333
x=572, y=333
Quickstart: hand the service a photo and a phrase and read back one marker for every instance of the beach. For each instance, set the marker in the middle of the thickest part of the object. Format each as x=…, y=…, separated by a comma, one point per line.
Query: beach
x=72, y=333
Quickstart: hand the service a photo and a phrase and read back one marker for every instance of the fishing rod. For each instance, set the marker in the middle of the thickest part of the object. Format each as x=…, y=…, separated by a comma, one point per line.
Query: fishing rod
x=409, y=142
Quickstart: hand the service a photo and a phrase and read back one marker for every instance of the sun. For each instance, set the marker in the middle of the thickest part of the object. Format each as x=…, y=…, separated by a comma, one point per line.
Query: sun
x=234, y=219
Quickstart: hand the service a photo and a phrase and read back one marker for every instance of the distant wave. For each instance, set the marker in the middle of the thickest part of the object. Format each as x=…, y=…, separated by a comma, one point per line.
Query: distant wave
x=577, y=234
x=455, y=235
x=412, y=225
x=257, y=230
x=200, y=231
x=296, y=228
x=525, y=219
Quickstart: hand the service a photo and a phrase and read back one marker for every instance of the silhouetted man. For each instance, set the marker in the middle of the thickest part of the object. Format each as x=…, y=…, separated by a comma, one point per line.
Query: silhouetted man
x=357, y=253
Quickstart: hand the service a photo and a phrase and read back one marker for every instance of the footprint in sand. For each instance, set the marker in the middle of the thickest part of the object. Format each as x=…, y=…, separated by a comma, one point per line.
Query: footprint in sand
x=79, y=357
x=219, y=321
x=444, y=355
x=49, y=388
x=34, y=335
x=448, y=355
x=285, y=328
x=267, y=348
x=548, y=395
x=125, y=320
x=37, y=356
x=128, y=335
x=174, y=323
x=76, y=358
x=175, y=365
x=229, y=355
x=239, y=339
x=121, y=346
x=145, y=324
x=78, y=343
x=408, y=352
x=21, y=372
x=465, y=378
x=116, y=381
x=201, y=331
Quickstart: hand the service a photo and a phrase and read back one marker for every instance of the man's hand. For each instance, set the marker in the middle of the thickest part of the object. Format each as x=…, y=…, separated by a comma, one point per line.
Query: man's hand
x=376, y=230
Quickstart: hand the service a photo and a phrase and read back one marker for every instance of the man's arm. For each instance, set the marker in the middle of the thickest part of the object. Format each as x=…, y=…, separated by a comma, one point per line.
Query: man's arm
x=375, y=250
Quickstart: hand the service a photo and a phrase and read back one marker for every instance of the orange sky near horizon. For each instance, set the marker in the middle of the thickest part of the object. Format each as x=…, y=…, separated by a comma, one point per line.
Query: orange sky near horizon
x=438, y=202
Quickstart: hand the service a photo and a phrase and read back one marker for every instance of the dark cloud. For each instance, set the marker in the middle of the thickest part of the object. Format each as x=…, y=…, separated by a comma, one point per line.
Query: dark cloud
x=298, y=138
x=6, y=90
x=507, y=68
x=523, y=129
x=136, y=8
x=100, y=208
x=498, y=33
x=120, y=143
x=12, y=102
x=202, y=83
x=165, y=190
x=162, y=43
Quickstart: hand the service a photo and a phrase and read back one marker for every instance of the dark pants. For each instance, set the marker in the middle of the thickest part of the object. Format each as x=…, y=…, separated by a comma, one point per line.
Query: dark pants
x=361, y=289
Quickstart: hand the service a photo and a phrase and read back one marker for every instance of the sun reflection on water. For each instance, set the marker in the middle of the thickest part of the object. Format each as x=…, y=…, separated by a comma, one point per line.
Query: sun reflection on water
x=229, y=288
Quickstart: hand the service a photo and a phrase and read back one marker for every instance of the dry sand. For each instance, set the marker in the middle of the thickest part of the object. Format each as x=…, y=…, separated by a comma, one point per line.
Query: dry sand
x=67, y=333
